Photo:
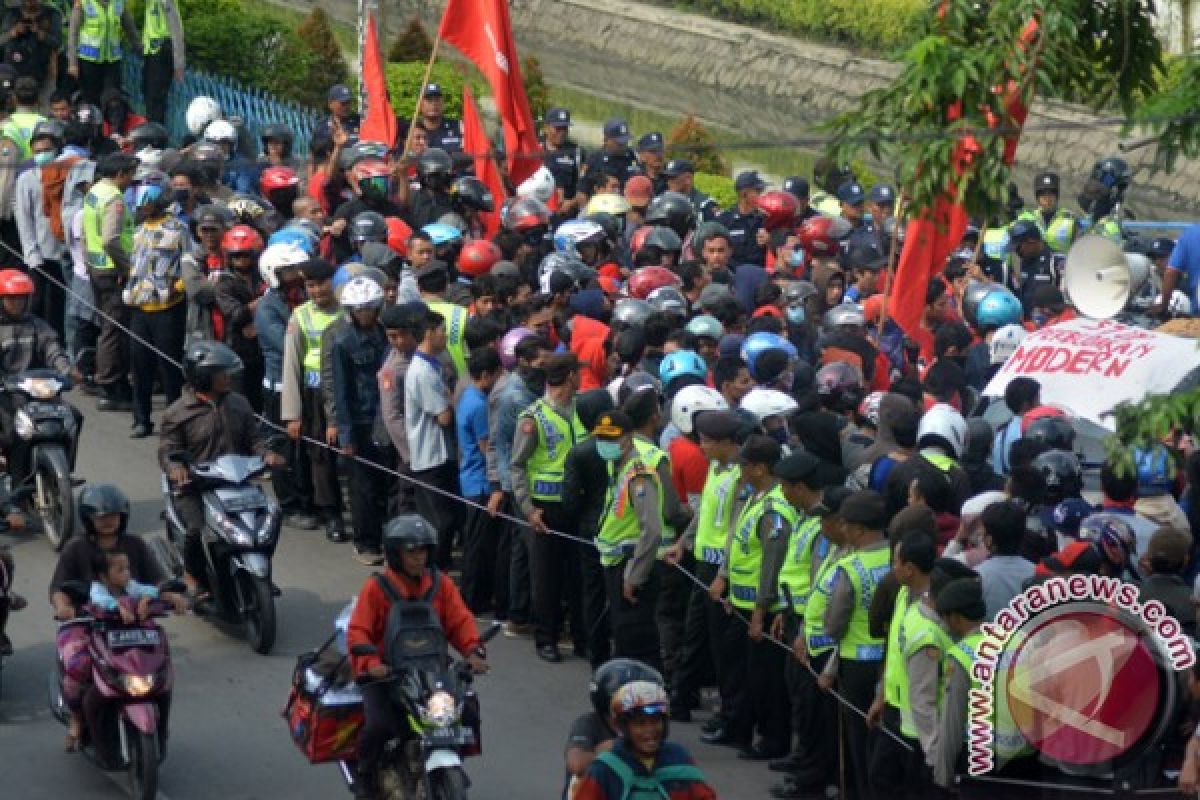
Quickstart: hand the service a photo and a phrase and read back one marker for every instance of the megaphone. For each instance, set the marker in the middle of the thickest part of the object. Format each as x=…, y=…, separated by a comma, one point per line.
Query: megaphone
x=1100, y=279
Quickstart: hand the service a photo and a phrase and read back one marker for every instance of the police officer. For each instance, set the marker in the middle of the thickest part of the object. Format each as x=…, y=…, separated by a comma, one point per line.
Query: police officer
x=546, y=432
x=650, y=157
x=1059, y=226
x=338, y=102
x=755, y=554
x=162, y=55
x=441, y=132
x=858, y=658
x=679, y=175
x=108, y=247
x=614, y=156
x=745, y=222
x=798, y=188
x=1035, y=264
x=302, y=406
x=881, y=206
x=563, y=157
x=94, y=52
x=1102, y=196
x=851, y=198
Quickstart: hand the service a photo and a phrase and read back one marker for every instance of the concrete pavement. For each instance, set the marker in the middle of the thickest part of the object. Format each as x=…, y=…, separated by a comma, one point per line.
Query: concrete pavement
x=228, y=739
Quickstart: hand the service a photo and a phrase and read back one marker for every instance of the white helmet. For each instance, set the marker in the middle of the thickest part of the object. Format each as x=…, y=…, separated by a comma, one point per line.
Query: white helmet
x=279, y=256
x=361, y=293
x=1005, y=342
x=763, y=403
x=200, y=112
x=220, y=132
x=690, y=401
x=574, y=232
x=942, y=420
x=539, y=185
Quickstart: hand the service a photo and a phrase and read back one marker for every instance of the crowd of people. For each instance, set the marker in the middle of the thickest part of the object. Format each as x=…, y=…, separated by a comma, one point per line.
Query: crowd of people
x=683, y=441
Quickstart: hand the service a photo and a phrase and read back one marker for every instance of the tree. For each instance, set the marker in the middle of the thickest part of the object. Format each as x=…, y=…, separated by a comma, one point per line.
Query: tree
x=535, y=86
x=326, y=66
x=413, y=44
x=691, y=140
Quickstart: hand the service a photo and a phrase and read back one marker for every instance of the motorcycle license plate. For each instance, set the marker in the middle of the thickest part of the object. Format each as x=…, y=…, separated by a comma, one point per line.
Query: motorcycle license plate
x=446, y=737
x=134, y=637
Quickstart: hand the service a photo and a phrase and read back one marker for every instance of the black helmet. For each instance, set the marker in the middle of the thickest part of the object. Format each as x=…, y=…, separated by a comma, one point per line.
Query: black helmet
x=664, y=239
x=406, y=532
x=1045, y=182
x=205, y=359
x=279, y=133
x=368, y=226
x=1056, y=433
x=471, y=193
x=612, y=675
x=51, y=128
x=1112, y=172
x=102, y=498
x=149, y=134
x=673, y=210
x=210, y=214
x=612, y=224
x=435, y=168
x=349, y=155
x=88, y=116
x=1062, y=477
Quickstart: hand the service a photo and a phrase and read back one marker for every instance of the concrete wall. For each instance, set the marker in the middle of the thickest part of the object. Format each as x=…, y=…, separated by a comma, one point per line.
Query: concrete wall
x=764, y=85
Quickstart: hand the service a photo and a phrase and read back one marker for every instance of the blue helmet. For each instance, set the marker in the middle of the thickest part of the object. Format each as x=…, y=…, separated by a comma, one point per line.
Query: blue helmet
x=1155, y=472
x=758, y=343
x=681, y=363
x=296, y=236
x=441, y=233
x=998, y=308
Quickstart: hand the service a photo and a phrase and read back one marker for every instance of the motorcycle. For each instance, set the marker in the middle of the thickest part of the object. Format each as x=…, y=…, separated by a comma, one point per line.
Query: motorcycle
x=44, y=448
x=441, y=710
x=132, y=672
x=241, y=530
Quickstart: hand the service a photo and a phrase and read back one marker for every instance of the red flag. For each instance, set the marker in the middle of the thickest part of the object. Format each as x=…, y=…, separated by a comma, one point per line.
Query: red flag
x=482, y=30
x=476, y=142
x=380, y=122
x=931, y=238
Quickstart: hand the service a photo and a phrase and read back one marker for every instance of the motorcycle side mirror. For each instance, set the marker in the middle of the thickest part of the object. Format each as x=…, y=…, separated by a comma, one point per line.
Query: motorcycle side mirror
x=77, y=592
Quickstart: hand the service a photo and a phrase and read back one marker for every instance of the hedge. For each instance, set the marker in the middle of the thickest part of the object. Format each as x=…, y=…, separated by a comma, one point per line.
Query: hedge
x=404, y=85
x=887, y=25
x=718, y=187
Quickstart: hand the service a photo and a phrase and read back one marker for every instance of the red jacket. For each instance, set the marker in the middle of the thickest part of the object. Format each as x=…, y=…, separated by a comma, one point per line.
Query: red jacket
x=368, y=623
x=587, y=343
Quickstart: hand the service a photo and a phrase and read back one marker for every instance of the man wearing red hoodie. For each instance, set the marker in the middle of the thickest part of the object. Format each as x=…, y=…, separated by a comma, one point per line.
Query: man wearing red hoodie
x=589, y=343
x=434, y=614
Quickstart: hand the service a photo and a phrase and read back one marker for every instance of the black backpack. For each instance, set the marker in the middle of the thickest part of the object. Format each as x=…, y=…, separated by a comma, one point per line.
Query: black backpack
x=413, y=637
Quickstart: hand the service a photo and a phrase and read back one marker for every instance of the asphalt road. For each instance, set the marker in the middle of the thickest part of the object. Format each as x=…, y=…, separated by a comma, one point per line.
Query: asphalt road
x=227, y=737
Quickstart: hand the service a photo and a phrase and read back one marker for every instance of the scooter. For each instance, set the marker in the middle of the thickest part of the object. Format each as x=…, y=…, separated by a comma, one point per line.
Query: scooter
x=442, y=713
x=44, y=451
x=241, y=529
x=132, y=672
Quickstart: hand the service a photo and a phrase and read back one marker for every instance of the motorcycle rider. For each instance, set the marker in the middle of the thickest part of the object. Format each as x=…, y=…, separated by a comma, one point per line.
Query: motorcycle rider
x=208, y=421
x=408, y=542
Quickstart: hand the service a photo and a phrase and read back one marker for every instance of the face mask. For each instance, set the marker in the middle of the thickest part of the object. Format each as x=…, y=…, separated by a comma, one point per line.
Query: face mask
x=796, y=315
x=609, y=451
x=181, y=196
x=780, y=434
x=796, y=259
x=42, y=159
x=375, y=187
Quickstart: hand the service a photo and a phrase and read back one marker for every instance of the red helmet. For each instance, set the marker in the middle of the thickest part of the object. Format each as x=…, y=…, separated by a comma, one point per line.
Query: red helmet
x=371, y=168
x=276, y=178
x=15, y=283
x=241, y=239
x=398, y=233
x=819, y=235
x=778, y=208
x=525, y=214
x=647, y=279
x=478, y=257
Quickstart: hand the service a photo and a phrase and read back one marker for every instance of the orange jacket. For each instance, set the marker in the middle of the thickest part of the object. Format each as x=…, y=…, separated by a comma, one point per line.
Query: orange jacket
x=368, y=623
x=587, y=343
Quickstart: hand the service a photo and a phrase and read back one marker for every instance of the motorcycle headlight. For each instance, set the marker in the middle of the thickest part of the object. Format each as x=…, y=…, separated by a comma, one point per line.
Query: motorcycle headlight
x=41, y=388
x=231, y=529
x=24, y=425
x=137, y=685
x=440, y=709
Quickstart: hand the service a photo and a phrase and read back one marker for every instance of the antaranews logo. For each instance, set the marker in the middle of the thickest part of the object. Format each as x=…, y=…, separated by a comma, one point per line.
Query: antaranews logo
x=1078, y=669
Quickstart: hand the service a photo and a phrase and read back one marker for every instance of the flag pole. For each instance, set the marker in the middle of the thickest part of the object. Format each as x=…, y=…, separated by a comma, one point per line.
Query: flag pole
x=437, y=41
x=891, y=267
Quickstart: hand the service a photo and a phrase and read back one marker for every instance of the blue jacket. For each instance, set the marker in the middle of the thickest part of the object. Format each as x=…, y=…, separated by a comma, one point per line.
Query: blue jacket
x=357, y=356
x=271, y=319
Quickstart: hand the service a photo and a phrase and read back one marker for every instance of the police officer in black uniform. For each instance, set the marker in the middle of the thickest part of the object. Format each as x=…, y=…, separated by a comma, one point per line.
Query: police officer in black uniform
x=563, y=157
x=852, y=197
x=680, y=176
x=650, y=156
x=615, y=156
x=1036, y=265
x=442, y=132
x=338, y=101
x=745, y=222
x=798, y=188
x=881, y=205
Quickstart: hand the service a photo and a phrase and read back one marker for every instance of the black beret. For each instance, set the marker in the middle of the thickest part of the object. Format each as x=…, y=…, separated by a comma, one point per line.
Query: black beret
x=798, y=467
x=720, y=425
x=866, y=508
x=963, y=596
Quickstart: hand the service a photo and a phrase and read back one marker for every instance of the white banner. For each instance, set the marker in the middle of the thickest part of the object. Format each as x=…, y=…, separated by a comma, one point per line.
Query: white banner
x=1090, y=366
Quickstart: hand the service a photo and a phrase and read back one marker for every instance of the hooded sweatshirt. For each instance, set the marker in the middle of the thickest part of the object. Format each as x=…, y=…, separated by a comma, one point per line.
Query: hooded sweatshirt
x=587, y=343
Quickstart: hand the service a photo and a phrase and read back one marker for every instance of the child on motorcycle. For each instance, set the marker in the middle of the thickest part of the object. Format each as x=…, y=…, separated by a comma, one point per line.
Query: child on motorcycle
x=407, y=544
x=642, y=763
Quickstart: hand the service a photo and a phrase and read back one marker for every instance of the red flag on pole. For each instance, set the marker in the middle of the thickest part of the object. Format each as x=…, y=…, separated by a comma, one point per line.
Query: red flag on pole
x=476, y=142
x=380, y=122
x=932, y=237
x=482, y=31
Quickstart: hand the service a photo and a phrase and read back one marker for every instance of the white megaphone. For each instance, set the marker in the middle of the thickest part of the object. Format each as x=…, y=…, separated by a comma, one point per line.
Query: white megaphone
x=1100, y=279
